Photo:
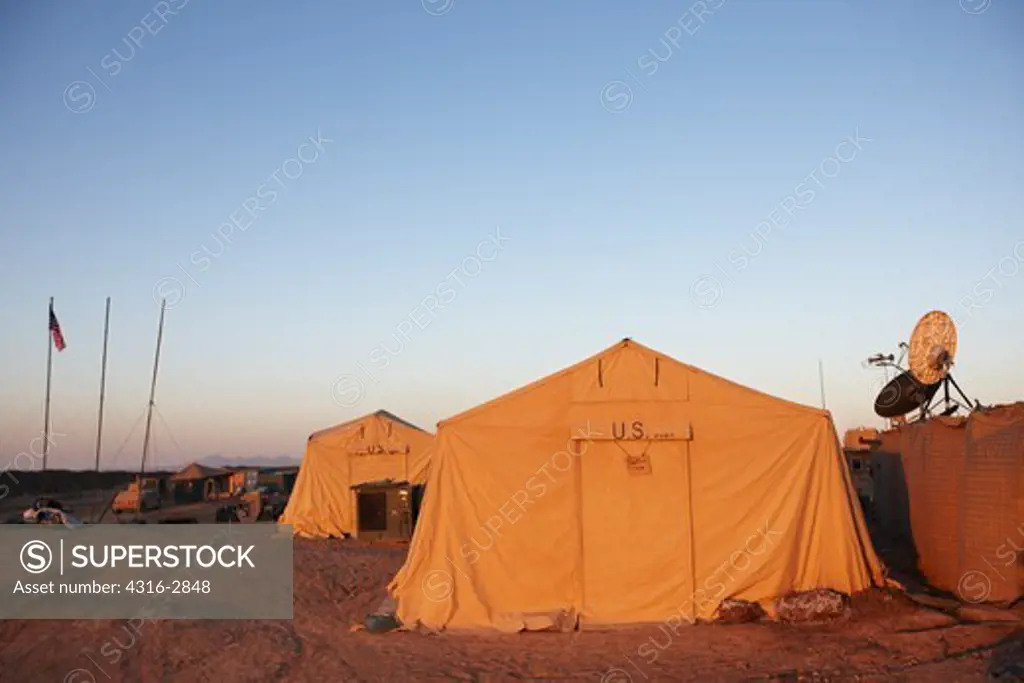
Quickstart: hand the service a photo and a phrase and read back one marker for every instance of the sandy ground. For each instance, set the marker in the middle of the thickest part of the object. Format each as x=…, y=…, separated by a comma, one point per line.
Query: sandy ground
x=337, y=583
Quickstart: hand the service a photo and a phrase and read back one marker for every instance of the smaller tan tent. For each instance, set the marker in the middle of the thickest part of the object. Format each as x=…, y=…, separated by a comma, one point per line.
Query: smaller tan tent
x=198, y=482
x=372, y=448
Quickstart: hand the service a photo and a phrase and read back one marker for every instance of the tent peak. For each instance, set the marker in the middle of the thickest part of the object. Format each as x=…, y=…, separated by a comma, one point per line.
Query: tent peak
x=380, y=414
x=394, y=418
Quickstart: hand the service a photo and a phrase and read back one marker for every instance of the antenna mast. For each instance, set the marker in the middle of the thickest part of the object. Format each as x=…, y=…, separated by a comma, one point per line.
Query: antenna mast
x=821, y=378
x=152, y=395
x=103, y=385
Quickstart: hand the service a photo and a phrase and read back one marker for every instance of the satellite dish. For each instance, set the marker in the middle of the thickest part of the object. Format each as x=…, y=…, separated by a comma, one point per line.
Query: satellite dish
x=902, y=395
x=932, y=347
x=930, y=359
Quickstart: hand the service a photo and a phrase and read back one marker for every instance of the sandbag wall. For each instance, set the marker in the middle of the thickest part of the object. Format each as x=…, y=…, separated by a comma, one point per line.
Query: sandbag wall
x=965, y=479
x=14, y=482
x=891, y=508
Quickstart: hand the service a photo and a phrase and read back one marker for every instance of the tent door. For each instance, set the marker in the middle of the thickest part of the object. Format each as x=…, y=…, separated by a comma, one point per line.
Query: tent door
x=636, y=532
x=417, y=502
x=373, y=512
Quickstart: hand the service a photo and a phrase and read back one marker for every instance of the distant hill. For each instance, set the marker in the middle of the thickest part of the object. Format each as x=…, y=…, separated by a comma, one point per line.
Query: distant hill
x=269, y=461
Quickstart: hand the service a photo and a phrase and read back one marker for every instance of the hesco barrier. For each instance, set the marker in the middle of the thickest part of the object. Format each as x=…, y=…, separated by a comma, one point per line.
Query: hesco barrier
x=17, y=483
x=965, y=486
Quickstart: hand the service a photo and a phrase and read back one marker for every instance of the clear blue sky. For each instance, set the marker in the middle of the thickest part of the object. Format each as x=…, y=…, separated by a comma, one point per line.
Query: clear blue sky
x=446, y=124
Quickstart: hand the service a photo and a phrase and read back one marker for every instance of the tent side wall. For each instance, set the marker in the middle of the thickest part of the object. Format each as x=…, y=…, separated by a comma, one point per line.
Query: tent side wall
x=320, y=505
x=787, y=521
x=498, y=528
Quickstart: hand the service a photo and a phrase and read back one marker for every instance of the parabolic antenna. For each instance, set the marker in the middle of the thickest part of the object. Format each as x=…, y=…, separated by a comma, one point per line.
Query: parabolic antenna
x=932, y=347
x=902, y=395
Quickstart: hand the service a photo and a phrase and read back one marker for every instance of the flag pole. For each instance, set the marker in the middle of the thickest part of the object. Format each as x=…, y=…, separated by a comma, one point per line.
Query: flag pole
x=49, y=366
x=103, y=384
x=152, y=394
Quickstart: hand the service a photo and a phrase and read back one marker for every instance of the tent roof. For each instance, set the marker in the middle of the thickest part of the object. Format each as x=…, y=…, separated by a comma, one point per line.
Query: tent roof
x=384, y=414
x=197, y=471
x=611, y=350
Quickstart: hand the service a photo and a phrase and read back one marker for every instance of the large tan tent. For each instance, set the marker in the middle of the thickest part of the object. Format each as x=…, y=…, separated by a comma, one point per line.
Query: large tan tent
x=375, y=447
x=629, y=488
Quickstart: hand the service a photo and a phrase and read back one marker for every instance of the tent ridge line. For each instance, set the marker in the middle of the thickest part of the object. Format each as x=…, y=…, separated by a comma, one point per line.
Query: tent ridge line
x=381, y=414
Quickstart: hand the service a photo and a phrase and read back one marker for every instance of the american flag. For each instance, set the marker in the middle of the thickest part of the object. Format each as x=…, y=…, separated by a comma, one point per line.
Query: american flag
x=58, y=336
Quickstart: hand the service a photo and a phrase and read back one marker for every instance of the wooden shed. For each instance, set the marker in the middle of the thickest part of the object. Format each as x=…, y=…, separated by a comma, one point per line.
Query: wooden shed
x=197, y=482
